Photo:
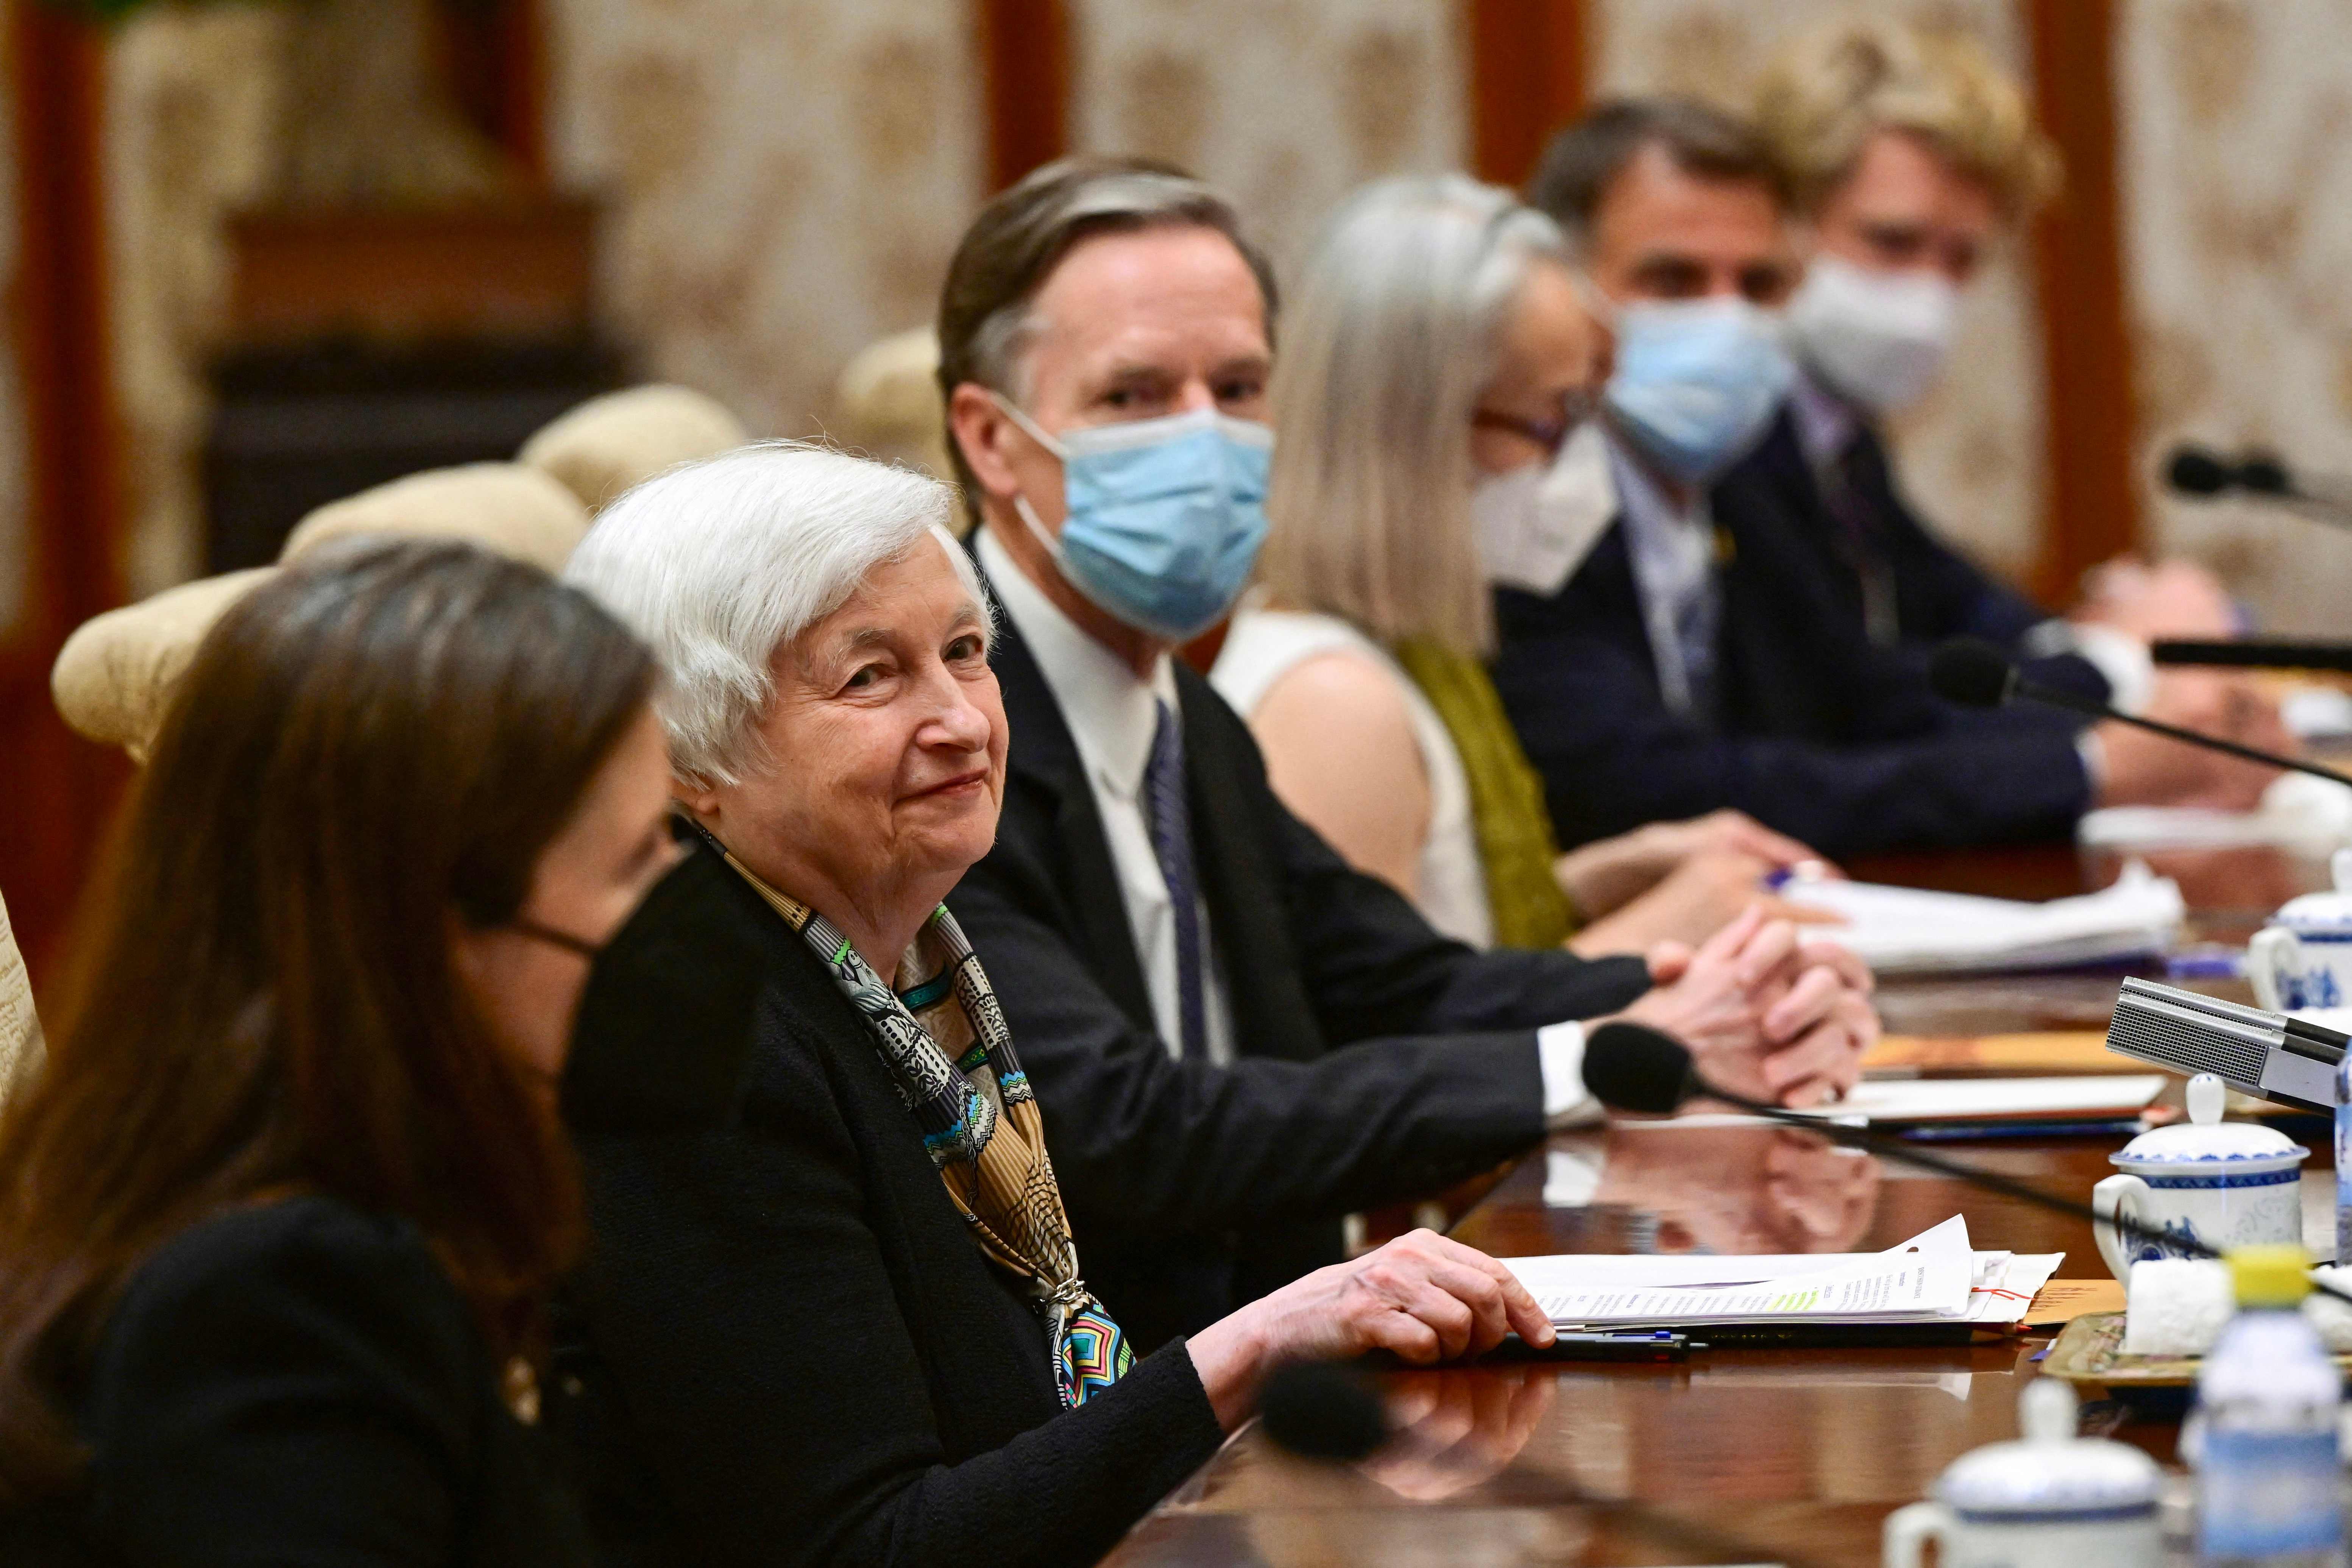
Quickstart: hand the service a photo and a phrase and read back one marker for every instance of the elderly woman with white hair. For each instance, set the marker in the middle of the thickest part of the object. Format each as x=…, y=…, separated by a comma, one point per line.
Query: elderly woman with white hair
x=854, y=1327
x=1438, y=363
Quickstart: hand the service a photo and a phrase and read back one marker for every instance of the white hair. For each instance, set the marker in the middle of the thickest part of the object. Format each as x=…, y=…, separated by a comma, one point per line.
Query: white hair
x=1391, y=336
x=719, y=565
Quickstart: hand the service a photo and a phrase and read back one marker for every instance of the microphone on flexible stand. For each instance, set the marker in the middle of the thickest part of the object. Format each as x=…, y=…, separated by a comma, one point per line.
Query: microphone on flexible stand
x=1634, y=1068
x=2200, y=471
x=1974, y=673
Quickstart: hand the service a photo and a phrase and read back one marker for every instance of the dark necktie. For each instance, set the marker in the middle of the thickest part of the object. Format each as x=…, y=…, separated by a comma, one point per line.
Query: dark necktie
x=1171, y=822
x=1848, y=480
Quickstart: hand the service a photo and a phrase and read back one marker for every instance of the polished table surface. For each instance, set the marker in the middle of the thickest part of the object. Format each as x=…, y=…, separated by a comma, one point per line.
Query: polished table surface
x=1737, y=1456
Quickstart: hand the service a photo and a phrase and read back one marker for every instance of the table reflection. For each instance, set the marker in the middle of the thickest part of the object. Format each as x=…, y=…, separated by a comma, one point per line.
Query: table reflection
x=1455, y=1427
x=1740, y=1189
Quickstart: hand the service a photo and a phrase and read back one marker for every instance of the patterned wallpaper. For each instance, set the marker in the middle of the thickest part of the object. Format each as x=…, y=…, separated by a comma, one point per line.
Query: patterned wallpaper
x=785, y=180
x=1286, y=105
x=2237, y=162
x=1972, y=453
x=192, y=119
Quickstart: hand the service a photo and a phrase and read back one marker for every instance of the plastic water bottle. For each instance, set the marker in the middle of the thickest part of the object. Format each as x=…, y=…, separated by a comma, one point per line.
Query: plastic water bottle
x=2344, y=1160
x=2269, y=1493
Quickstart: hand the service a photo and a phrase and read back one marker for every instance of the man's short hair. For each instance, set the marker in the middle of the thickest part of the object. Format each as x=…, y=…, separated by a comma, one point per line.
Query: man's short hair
x=1018, y=239
x=1825, y=95
x=1585, y=159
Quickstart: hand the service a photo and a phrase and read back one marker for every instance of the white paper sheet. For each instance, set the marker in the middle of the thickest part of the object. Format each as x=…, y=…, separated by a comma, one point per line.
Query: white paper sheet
x=1910, y=929
x=2299, y=811
x=1930, y=1279
x=1987, y=1099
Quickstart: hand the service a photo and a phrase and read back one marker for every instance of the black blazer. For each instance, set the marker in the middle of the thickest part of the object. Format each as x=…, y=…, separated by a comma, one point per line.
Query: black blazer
x=1815, y=732
x=300, y=1382
x=786, y=1347
x=1376, y=1060
x=1940, y=592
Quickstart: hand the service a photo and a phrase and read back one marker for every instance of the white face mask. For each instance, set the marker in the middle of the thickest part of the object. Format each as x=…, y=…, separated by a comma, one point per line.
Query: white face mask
x=1536, y=524
x=1877, y=338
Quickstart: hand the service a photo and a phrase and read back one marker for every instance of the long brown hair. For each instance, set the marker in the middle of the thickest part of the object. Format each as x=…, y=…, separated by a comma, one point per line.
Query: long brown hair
x=374, y=745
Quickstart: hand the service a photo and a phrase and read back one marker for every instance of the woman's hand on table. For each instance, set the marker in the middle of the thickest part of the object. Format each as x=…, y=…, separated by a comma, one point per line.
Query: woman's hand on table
x=1423, y=1298
x=1605, y=875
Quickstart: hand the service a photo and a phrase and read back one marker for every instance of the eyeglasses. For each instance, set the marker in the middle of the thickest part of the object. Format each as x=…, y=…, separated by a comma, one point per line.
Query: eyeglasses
x=1575, y=407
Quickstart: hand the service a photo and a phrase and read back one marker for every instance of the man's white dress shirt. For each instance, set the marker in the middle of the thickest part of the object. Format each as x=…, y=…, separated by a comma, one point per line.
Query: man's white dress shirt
x=1112, y=715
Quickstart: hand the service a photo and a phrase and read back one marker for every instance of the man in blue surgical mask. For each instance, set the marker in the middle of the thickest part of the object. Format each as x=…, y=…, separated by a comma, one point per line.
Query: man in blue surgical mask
x=1694, y=657
x=1914, y=159
x=1235, y=1038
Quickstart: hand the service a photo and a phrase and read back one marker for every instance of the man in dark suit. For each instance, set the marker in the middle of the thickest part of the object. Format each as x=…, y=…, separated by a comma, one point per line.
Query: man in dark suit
x=1912, y=156
x=1697, y=656
x=1236, y=1039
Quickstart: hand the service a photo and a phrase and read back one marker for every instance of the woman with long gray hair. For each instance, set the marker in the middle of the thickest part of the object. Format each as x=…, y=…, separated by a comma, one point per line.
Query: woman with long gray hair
x=1438, y=368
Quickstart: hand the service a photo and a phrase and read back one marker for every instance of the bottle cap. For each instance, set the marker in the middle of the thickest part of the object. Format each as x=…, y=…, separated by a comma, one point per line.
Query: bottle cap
x=2275, y=1274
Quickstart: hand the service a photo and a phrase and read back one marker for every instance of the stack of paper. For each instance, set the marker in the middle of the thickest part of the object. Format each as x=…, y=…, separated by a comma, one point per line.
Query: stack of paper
x=1934, y=1278
x=1908, y=930
x=2300, y=812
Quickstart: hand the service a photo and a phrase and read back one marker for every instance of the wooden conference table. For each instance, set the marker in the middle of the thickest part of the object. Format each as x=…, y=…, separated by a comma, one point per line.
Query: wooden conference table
x=1737, y=1456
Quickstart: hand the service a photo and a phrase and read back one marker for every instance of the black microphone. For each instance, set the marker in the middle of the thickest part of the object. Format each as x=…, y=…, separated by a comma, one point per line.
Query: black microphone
x=1646, y=1072
x=2195, y=471
x=1974, y=673
x=1322, y=1410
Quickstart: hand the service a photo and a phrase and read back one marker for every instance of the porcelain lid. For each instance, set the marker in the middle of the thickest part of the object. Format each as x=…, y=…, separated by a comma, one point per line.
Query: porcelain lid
x=2205, y=1136
x=2323, y=914
x=2049, y=1470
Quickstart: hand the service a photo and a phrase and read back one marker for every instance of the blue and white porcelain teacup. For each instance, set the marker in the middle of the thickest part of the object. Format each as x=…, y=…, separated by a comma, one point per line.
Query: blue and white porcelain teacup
x=2303, y=959
x=2224, y=1183
x=2050, y=1500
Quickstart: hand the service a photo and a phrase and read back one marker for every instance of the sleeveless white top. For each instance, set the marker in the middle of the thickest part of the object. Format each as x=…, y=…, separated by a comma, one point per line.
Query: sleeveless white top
x=1264, y=646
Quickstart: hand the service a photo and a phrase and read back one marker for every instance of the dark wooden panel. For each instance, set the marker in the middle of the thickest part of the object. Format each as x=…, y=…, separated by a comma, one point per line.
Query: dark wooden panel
x=56, y=788
x=1527, y=62
x=1024, y=62
x=2092, y=509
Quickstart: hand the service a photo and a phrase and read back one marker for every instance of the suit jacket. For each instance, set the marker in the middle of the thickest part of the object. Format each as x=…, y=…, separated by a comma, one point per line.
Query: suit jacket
x=1940, y=592
x=1816, y=732
x=1376, y=1060
x=786, y=1347
x=300, y=1382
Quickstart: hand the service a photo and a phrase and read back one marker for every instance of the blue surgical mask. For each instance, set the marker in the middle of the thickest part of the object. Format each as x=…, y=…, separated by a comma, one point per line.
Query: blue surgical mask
x=1698, y=380
x=1163, y=517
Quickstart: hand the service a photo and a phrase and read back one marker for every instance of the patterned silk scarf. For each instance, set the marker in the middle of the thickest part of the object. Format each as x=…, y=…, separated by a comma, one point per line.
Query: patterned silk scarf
x=1515, y=848
x=944, y=1040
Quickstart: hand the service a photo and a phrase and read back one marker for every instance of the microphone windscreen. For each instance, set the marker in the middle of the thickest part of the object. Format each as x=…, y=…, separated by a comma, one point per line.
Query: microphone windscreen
x=2194, y=472
x=2265, y=475
x=1971, y=672
x=1629, y=1066
x=1319, y=1410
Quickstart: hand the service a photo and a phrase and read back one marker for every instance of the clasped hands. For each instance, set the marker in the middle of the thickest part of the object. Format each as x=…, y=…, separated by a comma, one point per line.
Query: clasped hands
x=1764, y=1011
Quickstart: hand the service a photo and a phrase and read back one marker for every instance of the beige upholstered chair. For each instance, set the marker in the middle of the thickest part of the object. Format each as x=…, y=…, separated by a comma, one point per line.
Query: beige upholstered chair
x=616, y=442
x=115, y=675
x=506, y=507
x=20, y=1032
x=887, y=403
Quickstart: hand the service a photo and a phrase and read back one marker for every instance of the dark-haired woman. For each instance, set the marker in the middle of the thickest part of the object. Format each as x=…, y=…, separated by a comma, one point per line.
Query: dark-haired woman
x=276, y=1219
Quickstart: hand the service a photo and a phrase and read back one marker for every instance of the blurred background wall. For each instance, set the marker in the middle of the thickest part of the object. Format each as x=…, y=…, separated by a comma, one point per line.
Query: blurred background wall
x=236, y=279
